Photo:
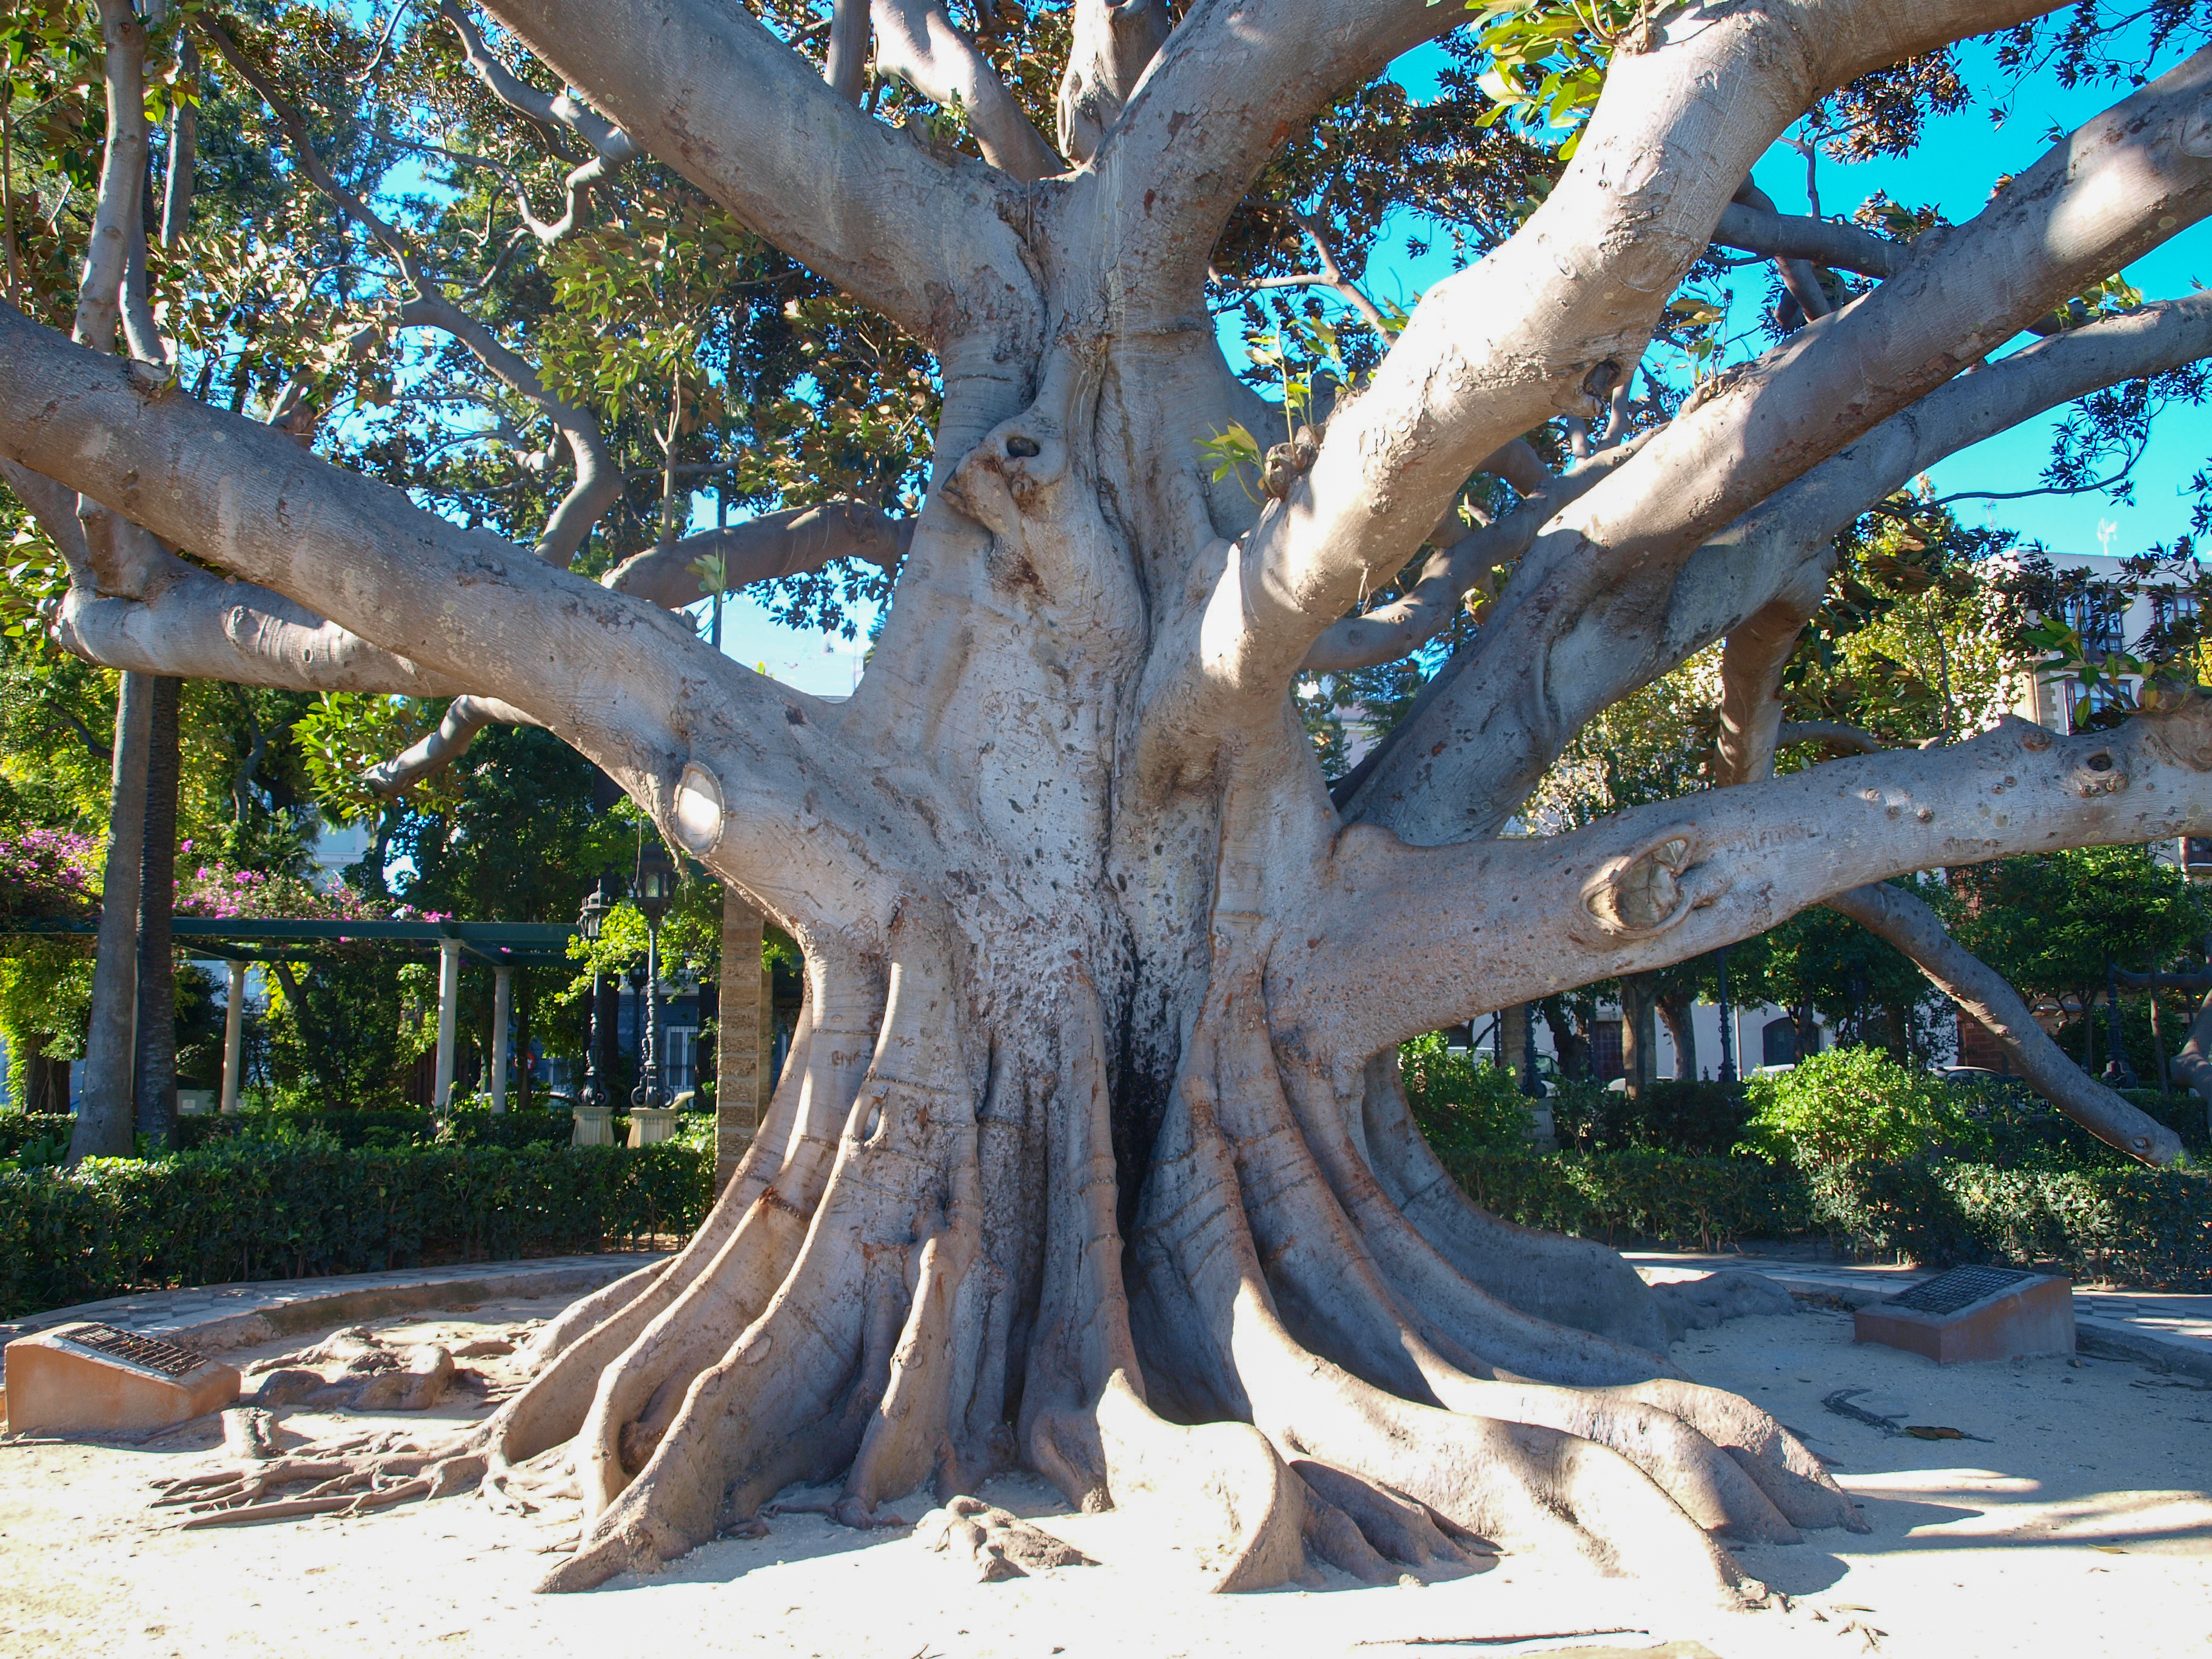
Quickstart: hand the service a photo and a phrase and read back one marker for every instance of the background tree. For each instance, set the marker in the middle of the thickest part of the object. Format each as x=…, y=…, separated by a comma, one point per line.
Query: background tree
x=1092, y=1154
x=2053, y=924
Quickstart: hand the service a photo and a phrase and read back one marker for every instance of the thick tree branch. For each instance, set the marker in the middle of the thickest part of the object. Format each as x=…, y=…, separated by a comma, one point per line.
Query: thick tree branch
x=726, y=759
x=1760, y=230
x=1403, y=940
x=707, y=90
x=1112, y=43
x=1552, y=320
x=1503, y=709
x=118, y=220
x=847, y=68
x=1220, y=96
x=671, y=574
x=1454, y=570
x=917, y=42
x=1757, y=650
x=785, y=543
x=193, y=625
x=1891, y=913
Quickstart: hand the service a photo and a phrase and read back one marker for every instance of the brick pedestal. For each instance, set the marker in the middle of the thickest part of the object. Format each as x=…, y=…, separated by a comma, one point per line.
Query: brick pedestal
x=1975, y=1313
x=88, y=1377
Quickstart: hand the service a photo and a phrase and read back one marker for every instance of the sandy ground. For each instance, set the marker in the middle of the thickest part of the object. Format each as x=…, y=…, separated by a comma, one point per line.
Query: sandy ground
x=2077, y=1522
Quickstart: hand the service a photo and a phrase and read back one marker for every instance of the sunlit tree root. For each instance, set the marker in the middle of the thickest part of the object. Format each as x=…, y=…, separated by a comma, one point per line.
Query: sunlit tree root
x=805, y=1391
x=569, y=1355
x=1347, y=1279
x=1297, y=1378
x=994, y=1545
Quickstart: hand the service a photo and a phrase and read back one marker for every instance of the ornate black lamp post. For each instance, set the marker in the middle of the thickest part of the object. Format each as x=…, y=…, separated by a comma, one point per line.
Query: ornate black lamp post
x=593, y=1097
x=653, y=889
x=2119, y=1074
x=1727, y=1023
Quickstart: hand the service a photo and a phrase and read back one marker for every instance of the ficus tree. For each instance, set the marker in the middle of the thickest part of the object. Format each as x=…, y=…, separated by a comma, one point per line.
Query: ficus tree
x=1091, y=1155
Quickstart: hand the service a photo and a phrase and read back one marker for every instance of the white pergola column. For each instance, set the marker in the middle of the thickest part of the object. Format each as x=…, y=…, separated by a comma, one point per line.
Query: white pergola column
x=449, y=997
x=233, y=1019
x=502, y=1002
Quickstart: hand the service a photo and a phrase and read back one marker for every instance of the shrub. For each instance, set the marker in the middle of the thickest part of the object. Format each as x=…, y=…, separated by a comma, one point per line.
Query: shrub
x=1697, y=1118
x=246, y=1209
x=1459, y=1103
x=1900, y=1209
x=21, y=1131
x=474, y=1128
x=1854, y=1104
x=1635, y=1197
x=2132, y=1225
x=359, y=1128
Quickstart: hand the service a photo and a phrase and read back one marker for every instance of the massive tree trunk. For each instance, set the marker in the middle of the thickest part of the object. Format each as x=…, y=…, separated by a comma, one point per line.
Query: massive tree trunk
x=1090, y=1155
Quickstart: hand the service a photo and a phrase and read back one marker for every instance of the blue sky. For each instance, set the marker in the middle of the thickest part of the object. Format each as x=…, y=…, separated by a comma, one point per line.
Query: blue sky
x=1955, y=170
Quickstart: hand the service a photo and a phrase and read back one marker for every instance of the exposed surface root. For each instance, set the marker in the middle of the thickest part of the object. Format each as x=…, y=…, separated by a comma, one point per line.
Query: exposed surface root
x=994, y=1545
x=1393, y=1526
x=249, y=1432
x=1219, y=1485
x=1210, y=1306
x=795, y=1396
x=1796, y=1482
x=1303, y=1369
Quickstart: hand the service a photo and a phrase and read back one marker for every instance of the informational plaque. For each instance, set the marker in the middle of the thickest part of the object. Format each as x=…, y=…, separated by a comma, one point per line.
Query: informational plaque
x=1975, y=1313
x=87, y=1378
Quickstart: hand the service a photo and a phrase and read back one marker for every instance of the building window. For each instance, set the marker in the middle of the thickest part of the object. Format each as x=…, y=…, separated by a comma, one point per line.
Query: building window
x=2084, y=701
x=2099, y=619
x=1606, y=1061
x=679, y=1068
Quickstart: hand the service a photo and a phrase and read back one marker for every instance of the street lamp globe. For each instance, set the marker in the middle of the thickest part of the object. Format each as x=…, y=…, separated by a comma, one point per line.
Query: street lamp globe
x=655, y=886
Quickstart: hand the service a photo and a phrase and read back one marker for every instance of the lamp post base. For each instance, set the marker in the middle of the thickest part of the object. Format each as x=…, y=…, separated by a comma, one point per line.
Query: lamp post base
x=650, y=1125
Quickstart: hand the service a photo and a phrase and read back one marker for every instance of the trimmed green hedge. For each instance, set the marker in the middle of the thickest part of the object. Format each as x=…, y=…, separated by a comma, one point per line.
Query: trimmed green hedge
x=248, y=1210
x=354, y=1129
x=2132, y=1225
x=1695, y=1203
x=22, y=1129
x=2146, y=1227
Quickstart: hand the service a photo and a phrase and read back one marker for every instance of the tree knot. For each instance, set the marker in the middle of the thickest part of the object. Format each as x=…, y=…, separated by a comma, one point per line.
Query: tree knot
x=1286, y=462
x=1642, y=893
